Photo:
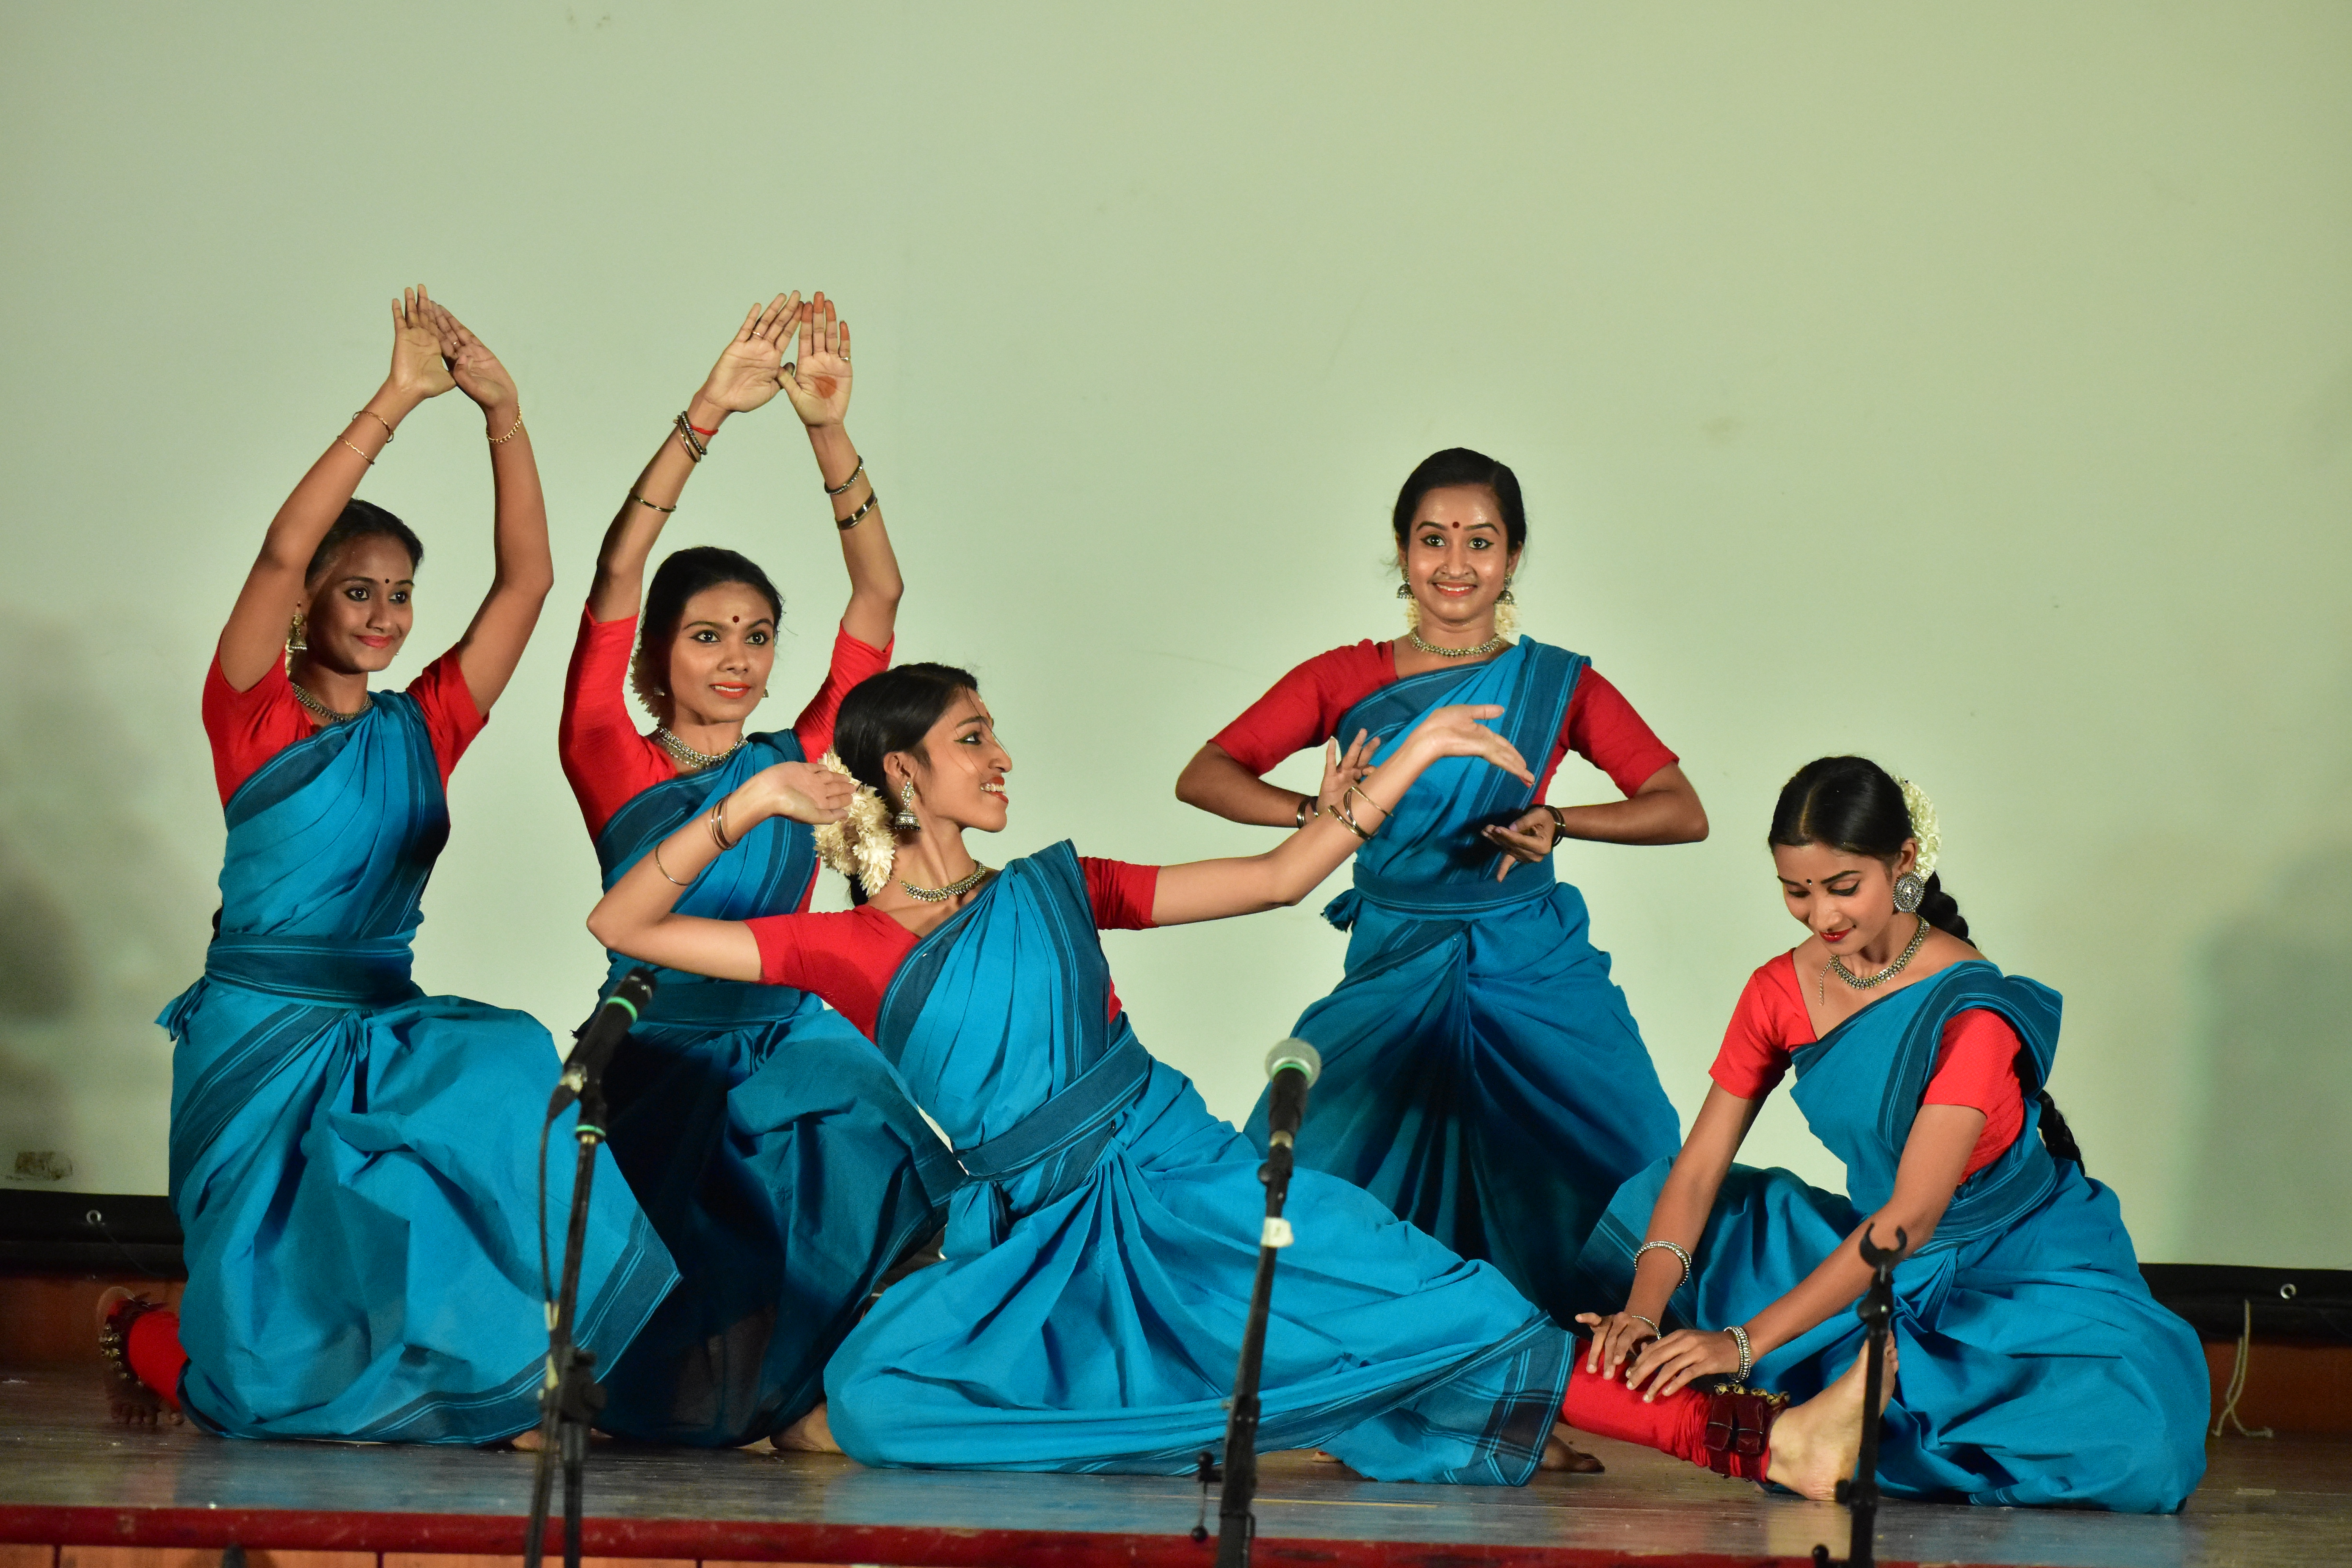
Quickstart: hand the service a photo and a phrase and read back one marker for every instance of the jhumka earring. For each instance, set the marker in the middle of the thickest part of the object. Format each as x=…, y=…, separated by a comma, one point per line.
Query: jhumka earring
x=1404, y=589
x=906, y=821
x=297, y=637
x=1505, y=597
x=1910, y=892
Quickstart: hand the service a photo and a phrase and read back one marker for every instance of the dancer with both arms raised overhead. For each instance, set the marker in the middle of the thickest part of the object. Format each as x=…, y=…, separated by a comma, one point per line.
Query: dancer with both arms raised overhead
x=1100, y=1257
x=352, y=1161
x=2036, y=1367
x=1481, y=1075
x=772, y=1145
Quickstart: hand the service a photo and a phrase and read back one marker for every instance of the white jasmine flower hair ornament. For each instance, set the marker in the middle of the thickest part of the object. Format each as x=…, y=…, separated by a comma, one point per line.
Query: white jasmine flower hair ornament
x=1924, y=827
x=860, y=845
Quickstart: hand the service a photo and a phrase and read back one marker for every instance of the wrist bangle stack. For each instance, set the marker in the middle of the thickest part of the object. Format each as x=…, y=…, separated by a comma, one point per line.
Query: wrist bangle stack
x=655, y=504
x=1340, y=814
x=502, y=440
x=855, y=518
x=1673, y=1246
x=1747, y=1361
x=1368, y=800
x=1558, y=822
x=842, y=488
x=718, y=820
x=696, y=447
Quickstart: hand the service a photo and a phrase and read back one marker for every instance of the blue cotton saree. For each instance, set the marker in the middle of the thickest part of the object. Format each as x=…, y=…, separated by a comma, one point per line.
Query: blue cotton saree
x=2036, y=1367
x=353, y=1161
x=1089, y=1311
x=770, y=1144
x=1482, y=1076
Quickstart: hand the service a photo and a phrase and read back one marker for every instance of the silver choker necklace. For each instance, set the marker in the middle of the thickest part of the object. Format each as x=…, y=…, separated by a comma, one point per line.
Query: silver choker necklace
x=325, y=714
x=686, y=756
x=941, y=895
x=1489, y=646
x=1864, y=982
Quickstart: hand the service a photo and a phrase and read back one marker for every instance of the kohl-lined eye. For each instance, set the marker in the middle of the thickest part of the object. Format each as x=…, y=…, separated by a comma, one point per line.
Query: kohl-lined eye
x=706, y=636
x=399, y=596
x=757, y=639
x=1435, y=540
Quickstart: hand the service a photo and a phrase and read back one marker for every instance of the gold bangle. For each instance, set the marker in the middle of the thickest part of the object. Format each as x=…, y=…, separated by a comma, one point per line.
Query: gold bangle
x=1339, y=814
x=855, y=518
x=380, y=419
x=655, y=504
x=665, y=871
x=718, y=820
x=843, y=489
x=1368, y=800
x=502, y=440
x=363, y=457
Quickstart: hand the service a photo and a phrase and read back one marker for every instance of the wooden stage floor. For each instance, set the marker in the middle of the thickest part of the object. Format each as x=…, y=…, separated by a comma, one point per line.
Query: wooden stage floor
x=70, y=1479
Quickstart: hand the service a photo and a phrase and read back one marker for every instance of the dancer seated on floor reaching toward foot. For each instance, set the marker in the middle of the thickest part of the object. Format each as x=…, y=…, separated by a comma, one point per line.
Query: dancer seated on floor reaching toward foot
x=2036, y=1367
x=1099, y=1258
x=771, y=1146
x=352, y=1160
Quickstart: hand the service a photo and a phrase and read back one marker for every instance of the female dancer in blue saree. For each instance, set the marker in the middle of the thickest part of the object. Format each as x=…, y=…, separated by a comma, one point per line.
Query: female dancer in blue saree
x=2035, y=1366
x=771, y=1146
x=1482, y=1075
x=1099, y=1256
x=353, y=1161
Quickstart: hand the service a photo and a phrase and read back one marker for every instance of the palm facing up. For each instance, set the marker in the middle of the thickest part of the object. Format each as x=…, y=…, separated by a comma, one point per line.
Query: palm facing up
x=818, y=384
x=748, y=370
x=416, y=365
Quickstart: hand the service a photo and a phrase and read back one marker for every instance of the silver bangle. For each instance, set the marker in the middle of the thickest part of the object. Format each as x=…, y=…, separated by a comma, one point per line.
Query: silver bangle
x=1306, y=806
x=1747, y=1361
x=842, y=488
x=1673, y=1246
x=1648, y=1323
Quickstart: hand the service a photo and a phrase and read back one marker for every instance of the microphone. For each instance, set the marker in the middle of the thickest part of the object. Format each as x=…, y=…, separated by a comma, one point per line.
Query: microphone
x=600, y=1036
x=1292, y=1065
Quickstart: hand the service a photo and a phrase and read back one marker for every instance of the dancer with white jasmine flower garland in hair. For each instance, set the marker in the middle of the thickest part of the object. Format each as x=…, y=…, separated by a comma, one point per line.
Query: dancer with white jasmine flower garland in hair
x=353, y=1161
x=771, y=1146
x=2036, y=1368
x=1100, y=1257
x=1482, y=1075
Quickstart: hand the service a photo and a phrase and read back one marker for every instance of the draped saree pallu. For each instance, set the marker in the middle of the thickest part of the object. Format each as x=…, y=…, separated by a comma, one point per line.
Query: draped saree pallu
x=1482, y=1076
x=352, y=1161
x=2036, y=1367
x=770, y=1144
x=1099, y=1260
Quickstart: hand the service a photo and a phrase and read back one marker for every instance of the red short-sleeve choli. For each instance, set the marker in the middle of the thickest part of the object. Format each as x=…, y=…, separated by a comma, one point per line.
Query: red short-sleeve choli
x=848, y=957
x=247, y=728
x=1304, y=707
x=609, y=763
x=1976, y=1062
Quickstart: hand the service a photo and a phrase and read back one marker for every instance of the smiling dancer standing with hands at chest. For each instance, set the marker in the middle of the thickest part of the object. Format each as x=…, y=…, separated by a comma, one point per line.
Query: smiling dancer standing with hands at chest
x=1481, y=1075
x=772, y=1145
x=352, y=1161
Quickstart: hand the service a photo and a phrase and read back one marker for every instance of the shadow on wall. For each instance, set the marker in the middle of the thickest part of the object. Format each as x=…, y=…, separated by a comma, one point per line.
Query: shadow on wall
x=2272, y=1184
x=99, y=927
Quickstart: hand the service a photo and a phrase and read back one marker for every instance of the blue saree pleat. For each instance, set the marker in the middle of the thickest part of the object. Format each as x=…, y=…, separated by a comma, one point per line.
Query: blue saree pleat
x=1089, y=1311
x=353, y=1161
x=2036, y=1367
x=770, y=1143
x=1482, y=1076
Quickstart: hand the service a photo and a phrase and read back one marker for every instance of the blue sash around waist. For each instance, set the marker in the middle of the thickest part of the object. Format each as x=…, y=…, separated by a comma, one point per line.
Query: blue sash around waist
x=351, y=971
x=1087, y=1104
x=1408, y=896
x=719, y=1003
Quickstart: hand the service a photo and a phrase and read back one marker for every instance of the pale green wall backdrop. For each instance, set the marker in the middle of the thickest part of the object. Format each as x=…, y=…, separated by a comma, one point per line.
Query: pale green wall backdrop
x=1967, y=385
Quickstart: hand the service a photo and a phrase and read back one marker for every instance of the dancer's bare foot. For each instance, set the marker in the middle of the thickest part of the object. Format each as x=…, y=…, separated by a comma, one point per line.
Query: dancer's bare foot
x=1560, y=1454
x=1815, y=1444
x=812, y=1434
x=525, y=1441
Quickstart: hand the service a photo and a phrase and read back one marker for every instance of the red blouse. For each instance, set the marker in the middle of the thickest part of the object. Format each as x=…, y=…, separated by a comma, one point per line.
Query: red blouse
x=247, y=728
x=1304, y=707
x=848, y=957
x=1976, y=1064
x=609, y=763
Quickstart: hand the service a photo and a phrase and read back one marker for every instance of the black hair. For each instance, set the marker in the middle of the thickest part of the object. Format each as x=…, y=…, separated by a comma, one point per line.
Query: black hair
x=893, y=712
x=1461, y=465
x=680, y=577
x=1855, y=807
x=364, y=520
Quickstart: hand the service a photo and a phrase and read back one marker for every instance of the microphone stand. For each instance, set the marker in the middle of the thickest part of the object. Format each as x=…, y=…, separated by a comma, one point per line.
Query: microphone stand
x=571, y=1398
x=1236, y=1525
x=1876, y=1311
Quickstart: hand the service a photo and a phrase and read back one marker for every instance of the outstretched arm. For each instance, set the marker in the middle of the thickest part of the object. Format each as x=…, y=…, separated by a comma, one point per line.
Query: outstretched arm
x=255, y=637
x=744, y=377
x=818, y=384
x=1933, y=1156
x=638, y=916
x=1214, y=889
x=521, y=570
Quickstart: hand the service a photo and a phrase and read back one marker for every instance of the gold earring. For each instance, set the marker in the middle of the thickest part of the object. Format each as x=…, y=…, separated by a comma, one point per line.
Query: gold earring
x=297, y=638
x=906, y=821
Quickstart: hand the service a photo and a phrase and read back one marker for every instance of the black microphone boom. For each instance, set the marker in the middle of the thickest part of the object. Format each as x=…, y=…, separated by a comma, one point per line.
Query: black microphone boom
x=1293, y=1066
x=600, y=1035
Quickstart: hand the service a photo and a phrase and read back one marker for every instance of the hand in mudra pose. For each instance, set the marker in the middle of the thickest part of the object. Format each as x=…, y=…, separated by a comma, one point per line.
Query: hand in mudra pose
x=817, y=380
